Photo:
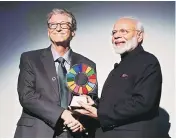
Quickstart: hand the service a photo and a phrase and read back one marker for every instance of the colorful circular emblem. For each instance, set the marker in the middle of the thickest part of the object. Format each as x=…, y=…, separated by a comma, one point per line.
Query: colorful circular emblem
x=81, y=79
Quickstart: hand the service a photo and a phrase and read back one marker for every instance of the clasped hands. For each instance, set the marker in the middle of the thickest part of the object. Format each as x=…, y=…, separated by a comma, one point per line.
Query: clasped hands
x=70, y=122
x=87, y=109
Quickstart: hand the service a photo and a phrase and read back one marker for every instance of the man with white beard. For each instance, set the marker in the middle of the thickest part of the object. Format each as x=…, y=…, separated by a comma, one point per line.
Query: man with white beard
x=130, y=98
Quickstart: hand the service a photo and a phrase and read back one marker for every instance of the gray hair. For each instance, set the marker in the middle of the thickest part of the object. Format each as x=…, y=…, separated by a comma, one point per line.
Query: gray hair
x=56, y=11
x=139, y=25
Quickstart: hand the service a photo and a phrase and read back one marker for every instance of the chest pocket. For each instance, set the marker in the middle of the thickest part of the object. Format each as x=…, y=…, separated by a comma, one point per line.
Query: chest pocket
x=125, y=81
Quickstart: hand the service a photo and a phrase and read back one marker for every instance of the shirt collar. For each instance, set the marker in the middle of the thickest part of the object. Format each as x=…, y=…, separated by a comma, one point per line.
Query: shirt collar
x=66, y=56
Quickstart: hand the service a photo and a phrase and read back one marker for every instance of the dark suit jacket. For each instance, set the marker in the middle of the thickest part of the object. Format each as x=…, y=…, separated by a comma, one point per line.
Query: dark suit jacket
x=130, y=97
x=38, y=93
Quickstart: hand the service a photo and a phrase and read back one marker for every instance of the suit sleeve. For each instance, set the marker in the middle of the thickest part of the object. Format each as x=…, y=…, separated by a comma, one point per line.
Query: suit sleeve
x=32, y=101
x=144, y=97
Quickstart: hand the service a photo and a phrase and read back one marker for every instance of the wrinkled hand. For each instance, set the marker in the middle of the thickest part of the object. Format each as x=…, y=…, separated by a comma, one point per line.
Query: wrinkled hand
x=70, y=122
x=75, y=126
x=67, y=116
x=88, y=110
x=90, y=101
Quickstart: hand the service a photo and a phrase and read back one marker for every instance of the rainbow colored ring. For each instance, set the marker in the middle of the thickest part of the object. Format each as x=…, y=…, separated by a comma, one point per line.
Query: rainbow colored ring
x=89, y=83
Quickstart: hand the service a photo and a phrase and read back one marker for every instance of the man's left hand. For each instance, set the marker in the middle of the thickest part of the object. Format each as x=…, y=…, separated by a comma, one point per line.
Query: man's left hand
x=88, y=110
x=75, y=126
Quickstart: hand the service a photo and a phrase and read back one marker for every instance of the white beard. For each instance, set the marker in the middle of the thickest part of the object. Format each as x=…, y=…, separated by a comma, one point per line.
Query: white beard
x=127, y=47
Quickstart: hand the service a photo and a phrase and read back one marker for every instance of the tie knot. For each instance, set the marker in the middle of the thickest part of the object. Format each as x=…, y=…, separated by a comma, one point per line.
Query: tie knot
x=61, y=60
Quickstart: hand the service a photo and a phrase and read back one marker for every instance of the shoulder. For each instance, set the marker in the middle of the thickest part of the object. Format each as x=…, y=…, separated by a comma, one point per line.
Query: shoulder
x=144, y=62
x=31, y=57
x=32, y=53
x=84, y=59
x=147, y=58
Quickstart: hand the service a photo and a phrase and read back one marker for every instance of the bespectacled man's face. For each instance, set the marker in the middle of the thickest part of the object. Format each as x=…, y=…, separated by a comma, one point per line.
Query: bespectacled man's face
x=125, y=37
x=60, y=28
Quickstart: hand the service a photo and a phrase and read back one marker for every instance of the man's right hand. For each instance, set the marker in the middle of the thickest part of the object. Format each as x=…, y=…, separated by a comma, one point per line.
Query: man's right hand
x=69, y=121
x=67, y=116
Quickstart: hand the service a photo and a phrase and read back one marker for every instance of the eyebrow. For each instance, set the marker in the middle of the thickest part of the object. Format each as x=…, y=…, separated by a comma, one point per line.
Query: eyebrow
x=58, y=22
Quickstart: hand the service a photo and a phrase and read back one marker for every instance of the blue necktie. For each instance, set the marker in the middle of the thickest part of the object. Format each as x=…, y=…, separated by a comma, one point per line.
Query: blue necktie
x=62, y=82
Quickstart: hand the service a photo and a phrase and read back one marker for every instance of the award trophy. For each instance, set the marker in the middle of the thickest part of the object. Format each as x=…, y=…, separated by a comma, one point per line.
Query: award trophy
x=81, y=80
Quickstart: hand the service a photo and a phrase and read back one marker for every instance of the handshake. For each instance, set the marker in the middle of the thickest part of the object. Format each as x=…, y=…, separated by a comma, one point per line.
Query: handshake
x=71, y=122
x=86, y=108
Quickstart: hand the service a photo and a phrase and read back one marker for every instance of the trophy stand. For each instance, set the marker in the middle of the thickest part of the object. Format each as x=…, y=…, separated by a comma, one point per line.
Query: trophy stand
x=81, y=80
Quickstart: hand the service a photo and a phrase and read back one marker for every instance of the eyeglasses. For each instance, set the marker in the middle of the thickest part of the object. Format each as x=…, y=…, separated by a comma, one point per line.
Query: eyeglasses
x=123, y=31
x=65, y=25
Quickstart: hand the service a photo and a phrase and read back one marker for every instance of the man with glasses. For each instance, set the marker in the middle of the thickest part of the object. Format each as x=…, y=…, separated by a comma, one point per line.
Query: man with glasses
x=129, y=103
x=42, y=88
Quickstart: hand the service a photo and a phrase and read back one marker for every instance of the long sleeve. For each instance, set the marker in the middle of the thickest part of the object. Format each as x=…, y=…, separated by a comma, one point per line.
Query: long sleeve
x=143, y=97
x=33, y=101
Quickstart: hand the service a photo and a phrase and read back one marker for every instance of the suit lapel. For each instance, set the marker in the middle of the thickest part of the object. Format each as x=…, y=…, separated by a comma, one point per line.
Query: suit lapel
x=48, y=62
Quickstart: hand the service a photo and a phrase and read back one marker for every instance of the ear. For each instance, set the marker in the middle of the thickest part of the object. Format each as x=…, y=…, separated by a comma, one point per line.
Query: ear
x=73, y=33
x=140, y=36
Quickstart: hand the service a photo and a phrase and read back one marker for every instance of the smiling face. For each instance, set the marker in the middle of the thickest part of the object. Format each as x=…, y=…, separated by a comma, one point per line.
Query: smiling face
x=59, y=28
x=125, y=36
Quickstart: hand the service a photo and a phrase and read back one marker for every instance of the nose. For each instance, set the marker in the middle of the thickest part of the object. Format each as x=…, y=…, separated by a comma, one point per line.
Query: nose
x=117, y=35
x=58, y=28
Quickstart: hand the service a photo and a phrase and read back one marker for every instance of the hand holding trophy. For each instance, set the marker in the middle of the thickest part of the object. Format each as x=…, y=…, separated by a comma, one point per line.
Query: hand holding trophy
x=81, y=80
